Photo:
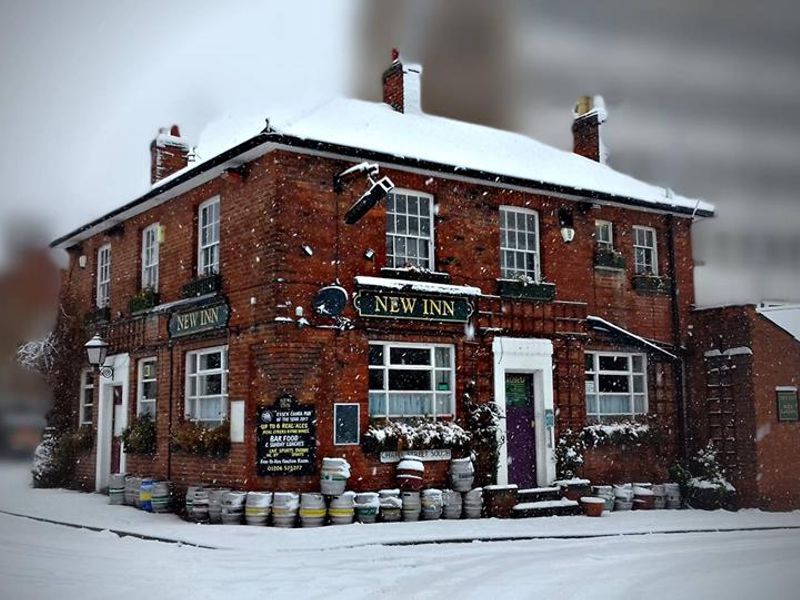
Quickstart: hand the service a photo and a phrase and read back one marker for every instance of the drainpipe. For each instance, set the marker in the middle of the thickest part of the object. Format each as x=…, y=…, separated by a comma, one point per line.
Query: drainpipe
x=679, y=366
x=169, y=424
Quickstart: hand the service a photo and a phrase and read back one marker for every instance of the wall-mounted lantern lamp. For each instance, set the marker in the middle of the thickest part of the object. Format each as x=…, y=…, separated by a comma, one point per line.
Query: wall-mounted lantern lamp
x=566, y=225
x=96, y=352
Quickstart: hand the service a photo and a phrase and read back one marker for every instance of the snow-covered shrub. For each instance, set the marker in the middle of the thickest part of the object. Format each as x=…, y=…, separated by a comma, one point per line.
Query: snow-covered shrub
x=55, y=458
x=623, y=433
x=140, y=436
x=569, y=454
x=484, y=423
x=416, y=434
x=195, y=438
x=702, y=480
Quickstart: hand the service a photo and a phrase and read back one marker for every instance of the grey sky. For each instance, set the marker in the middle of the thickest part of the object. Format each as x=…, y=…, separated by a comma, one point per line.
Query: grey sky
x=702, y=96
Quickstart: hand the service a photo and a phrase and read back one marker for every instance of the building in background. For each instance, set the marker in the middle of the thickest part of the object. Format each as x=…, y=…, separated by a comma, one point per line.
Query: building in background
x=367, y=264
x=745, y=372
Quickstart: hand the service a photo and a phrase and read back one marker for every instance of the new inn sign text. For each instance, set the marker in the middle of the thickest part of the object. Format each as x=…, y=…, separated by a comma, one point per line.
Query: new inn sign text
x=455, y=309
x=198, y=320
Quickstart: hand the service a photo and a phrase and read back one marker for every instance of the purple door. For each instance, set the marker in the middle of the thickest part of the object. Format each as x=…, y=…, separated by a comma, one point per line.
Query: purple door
x=519, y=430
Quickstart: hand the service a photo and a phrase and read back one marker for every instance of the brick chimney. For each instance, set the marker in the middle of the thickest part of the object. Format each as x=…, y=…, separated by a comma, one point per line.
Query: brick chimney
x=588, y=116
x=169, y=153
x=402, y=85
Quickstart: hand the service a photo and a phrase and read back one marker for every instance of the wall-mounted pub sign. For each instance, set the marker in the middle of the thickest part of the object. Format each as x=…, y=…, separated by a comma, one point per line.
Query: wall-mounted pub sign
x=199, y=319
x=787, y=405
x=380, y=304
x=286, y=438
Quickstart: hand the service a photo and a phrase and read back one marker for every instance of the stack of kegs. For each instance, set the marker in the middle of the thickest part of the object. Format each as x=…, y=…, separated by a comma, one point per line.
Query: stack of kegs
x=162, y=497
x=341, y=509
x=431, y=504
x=146, y=494
x=606, y=492
x=334, y=475
x=643, y=498
x=473, y=503
x=256, y=507
x=233, y=507
x=462, y=474
x=132, y=490
x=411, y=505
x=391, y=505
x=116, y=489
x=410, y=471
x=623, y=497
x=367, y=506
x=215, y=496
x=452, y=505
x=659, y=496
x=284, y=508
x=199, y=510
x=312, y=510
x=672, y=495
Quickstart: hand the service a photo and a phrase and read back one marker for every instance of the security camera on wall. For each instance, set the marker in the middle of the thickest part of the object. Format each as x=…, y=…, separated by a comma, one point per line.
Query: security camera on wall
x=377, y=192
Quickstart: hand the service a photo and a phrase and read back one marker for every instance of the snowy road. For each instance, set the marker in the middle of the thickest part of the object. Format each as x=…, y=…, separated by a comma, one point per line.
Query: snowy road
x=43, y=560
x=39, y=560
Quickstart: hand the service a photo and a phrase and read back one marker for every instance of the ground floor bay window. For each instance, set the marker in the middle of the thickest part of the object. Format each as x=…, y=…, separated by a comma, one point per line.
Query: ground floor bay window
x=616, y=386
x=207, y=386
x=411, y=380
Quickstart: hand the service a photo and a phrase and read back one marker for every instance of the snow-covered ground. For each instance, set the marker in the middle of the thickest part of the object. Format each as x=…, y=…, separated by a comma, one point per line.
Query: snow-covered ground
x=42, y=560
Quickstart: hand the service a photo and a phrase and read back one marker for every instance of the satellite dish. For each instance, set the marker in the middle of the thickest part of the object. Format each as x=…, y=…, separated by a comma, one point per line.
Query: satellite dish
x=330, y=301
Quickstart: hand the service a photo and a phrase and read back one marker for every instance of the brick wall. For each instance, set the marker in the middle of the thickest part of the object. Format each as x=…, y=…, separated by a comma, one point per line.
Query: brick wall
x=287, y=202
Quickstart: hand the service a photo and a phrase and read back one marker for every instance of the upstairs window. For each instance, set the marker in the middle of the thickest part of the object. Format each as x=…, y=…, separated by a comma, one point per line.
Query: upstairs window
x=519, y=243
x=150, y=257
x=207, y=385
x=208, y=238
x=615, y=386
x=645, y=251
x=103, y=276
x=604, y=235
x=409, y=230
x=86, y=408
x=411, y=380
x=146, y=396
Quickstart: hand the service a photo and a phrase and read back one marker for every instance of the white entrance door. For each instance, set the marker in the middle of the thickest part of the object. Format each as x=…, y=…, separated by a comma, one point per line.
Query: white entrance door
x=519, y=356
x=112, y=418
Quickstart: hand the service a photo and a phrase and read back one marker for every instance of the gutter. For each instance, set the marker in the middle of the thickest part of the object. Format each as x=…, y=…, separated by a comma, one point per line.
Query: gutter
x=290, y=141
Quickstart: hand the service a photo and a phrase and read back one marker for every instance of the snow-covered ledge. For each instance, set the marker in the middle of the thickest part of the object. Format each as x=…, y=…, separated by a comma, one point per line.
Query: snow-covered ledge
x=417, y=286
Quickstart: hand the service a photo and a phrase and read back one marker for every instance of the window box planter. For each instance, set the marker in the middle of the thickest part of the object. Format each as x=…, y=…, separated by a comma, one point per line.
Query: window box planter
x=145, y=299
x=416, y=274
x=98, y=315
x=609, y=260
x=651, y=284
x=210, y=284
x=514, y=288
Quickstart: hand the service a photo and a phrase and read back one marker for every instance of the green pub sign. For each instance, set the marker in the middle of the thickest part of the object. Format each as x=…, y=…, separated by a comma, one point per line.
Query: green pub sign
x=454, y=309
x=787, y=405
x=198, y=320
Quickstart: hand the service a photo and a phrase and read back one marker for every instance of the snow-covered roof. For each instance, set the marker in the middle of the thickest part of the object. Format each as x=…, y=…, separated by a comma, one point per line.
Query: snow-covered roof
x=357, y=129
x=785, y=316
x=600, y=323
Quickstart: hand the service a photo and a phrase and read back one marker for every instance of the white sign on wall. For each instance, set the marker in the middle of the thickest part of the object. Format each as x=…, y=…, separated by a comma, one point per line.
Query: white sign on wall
x=237, y=421
x=423, y=455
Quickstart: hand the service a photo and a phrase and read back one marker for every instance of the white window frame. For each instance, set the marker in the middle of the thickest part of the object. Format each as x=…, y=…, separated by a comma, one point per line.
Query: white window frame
x=85, y=386
x=103, y=288
x=336, y=405
x=513, y=272
x=641, y=268
x=150, y=257
x=140, y=381
x=599, y=226
x=191, y=402
x=392, y=259
x=386, y=367
x=599, y=417
x=205, y=268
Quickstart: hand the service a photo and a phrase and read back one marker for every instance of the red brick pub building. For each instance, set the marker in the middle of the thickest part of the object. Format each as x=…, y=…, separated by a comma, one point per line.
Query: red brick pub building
x=497, y=269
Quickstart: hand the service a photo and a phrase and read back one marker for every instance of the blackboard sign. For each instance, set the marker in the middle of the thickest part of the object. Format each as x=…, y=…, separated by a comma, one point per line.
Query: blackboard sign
x=286, y=439
x=787, y=405
x=518, y=390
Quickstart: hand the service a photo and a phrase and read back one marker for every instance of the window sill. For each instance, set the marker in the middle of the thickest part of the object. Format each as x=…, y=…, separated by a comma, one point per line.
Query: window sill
x=416, y=275
x=98, y=315
x=201, y=286
x=611, y=261
x=651, y=285
x=142, y=301
x=537, y=291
